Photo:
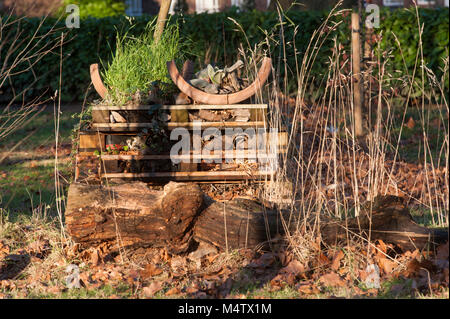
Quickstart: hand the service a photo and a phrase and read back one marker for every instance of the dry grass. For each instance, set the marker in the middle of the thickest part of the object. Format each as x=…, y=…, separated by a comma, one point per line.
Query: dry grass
x=326, y=173
x=19, y=55
x=332, y=172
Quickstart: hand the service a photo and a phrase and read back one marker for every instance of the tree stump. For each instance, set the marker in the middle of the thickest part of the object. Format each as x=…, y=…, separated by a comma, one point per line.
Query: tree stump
x=133, y=214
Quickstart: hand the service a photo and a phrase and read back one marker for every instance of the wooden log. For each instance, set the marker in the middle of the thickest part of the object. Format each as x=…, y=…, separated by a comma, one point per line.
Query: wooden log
x=239, y=223
x=133, y=214
x=244, y=223
x=386, y=218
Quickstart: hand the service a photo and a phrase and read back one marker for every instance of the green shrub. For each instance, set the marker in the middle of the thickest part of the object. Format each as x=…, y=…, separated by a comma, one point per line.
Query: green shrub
x=213, y=37
x=97, y=8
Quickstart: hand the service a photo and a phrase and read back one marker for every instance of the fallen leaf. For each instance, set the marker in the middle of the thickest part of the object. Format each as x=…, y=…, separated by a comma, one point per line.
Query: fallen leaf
x=412, y=267
x=39, y=248
x=202, y=250
x=95, y=257
x=150, y=271
x=386, y=265
x=178, y=262
x=411, y=123
x=173, y=291
x=285, y=258
x=7, y=284
x=4, y=250
x=54, y=290
x=332, y=280
x=277, y=281
x=295, y=268
x=266, y=260
x=372, y=291
x=337, y=260
x=308, y=289
x=191, y=290
x=381, y=245
x=212, y=258
x=152, y=289
x=100, y=275
x=71, y=251
x=323, y=260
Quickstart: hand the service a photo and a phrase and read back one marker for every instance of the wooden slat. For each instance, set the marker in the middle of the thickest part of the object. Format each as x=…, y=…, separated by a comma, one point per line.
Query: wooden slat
x=217, y=124
x=89, y=148
x=172, y=125
x=222, y=155
x=92, y=141
x=199, y=175
x=214, y=107
x=180, y=107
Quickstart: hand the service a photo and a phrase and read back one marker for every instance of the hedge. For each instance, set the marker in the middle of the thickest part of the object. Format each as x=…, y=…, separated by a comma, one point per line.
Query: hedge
x=220, y=37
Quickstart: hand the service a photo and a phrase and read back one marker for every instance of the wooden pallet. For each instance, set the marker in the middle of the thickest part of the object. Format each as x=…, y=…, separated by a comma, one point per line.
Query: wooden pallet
x=109, y=166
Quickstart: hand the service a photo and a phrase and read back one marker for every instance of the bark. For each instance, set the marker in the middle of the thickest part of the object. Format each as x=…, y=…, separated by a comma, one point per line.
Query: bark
x=239, y=223
x=162, y=18
x=386, y=218
x=133, y=214
x=244, y=223
x=137, y=215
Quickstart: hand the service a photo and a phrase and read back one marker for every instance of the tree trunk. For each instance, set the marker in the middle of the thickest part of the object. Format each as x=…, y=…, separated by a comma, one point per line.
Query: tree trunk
x=133, y=214
x=162, y=18
x=356, y=72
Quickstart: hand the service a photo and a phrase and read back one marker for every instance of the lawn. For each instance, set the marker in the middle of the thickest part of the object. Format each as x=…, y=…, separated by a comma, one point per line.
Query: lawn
x=27, y=162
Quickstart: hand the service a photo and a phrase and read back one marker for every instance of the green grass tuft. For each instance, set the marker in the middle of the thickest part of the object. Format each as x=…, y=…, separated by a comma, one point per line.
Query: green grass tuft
x=139, y=63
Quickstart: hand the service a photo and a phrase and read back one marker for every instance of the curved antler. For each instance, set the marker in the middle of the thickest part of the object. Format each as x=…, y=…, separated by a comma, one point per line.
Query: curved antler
x=208, y=98
x=97, y=81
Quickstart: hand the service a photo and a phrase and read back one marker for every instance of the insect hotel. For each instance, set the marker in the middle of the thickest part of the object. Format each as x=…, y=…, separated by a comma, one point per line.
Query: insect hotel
x=228, y=140
x=210, y=133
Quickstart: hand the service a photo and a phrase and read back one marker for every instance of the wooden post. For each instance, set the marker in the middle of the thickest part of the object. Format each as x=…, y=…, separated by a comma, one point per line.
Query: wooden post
x=162, y=17
x=356, y=68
